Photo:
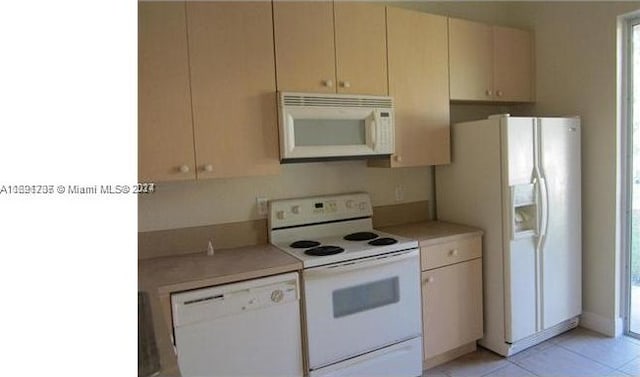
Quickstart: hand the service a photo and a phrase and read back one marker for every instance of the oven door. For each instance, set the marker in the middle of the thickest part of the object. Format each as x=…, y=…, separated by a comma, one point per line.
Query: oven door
x=359, y=306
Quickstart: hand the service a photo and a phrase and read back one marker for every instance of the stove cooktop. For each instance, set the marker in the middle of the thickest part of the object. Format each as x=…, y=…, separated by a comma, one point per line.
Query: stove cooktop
x=333, y=249
x=329, y=229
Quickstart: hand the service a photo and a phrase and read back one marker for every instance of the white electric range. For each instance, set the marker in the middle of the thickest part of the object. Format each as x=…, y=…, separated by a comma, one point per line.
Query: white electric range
x=362, y=286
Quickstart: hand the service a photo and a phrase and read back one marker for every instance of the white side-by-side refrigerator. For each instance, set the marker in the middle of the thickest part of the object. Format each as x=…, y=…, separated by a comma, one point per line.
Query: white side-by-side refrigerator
x=518, y=179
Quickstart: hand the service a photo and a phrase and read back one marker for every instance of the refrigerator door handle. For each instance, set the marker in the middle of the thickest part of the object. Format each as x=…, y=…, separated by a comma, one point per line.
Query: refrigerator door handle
x=544, y=196
x=536, y=190
x=541, y=212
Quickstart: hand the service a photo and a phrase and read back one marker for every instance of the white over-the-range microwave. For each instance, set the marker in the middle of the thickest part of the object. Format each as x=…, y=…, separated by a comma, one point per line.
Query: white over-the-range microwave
x=334, y=126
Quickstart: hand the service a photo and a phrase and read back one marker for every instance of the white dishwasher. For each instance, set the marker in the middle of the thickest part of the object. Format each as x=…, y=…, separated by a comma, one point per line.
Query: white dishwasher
x=251, y=328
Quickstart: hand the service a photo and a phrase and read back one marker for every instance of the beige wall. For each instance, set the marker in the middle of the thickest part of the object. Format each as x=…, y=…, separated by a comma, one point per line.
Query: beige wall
x=494, y=12
x=576, y=74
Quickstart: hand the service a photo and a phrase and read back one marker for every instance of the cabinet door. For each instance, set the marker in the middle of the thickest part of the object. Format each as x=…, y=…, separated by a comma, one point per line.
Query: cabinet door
x=471, y=61
x=165, y=127
x=419, y=85
x=451, y=306
x=233, y=88
x=513, y=64
x=304, y=45
x=361, y=48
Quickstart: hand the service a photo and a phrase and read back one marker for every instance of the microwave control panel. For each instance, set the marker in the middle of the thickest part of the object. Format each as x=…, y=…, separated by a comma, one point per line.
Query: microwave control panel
x=385, y=133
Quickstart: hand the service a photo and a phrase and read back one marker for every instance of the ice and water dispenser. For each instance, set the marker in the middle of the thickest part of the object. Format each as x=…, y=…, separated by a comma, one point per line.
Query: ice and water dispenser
x=524, y=210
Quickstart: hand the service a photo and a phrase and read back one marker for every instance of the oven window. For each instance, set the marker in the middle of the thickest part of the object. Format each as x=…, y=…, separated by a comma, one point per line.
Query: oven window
x=364, y=297
x=319, y=132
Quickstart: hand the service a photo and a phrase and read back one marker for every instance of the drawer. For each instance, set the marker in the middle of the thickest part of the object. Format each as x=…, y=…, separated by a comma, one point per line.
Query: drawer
x=450, y=252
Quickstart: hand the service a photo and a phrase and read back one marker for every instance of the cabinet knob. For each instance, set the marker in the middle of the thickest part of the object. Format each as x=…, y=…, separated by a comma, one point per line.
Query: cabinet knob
x=499, y=93
x=184, y=168
x=327, y=83
x=208, y=168
x=489, y=92
x=430, y=279
x=398, y=158
x=345, y=84
x=453, y=252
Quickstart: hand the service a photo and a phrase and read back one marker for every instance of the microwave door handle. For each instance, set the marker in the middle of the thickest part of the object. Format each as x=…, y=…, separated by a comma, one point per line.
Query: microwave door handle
x=356, y=265
x=372, y=133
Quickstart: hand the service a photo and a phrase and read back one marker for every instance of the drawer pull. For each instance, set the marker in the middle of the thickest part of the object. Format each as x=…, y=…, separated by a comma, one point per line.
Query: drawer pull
x=453, y=252
x=429, y=280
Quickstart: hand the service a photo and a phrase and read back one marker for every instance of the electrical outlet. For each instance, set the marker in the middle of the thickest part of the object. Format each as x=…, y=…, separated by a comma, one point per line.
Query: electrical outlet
x=399, y=193
x=263, y=206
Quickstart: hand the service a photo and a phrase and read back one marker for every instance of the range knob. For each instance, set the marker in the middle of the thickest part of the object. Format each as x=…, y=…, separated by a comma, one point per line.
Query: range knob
x=277, y=295
x=295, y=209
x=349, y=203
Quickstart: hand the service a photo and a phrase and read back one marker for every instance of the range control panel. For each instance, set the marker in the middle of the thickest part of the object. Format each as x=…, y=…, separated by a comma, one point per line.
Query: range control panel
x=318, y=209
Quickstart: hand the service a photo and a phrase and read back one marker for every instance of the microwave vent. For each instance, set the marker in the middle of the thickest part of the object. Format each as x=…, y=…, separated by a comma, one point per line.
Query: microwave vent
x=336, y=101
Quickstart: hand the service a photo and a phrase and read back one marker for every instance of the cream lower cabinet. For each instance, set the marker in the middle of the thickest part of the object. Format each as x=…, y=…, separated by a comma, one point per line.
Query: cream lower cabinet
x=451, y=299
x=451, y=264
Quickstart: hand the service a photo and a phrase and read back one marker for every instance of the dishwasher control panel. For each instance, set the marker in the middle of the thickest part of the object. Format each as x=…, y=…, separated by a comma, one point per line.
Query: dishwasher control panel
x=230, y=299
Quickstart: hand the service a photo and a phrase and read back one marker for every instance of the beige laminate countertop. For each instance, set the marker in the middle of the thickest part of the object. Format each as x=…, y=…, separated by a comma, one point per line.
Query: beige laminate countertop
x=432, y=232
x=180, y=273
x=161, y=277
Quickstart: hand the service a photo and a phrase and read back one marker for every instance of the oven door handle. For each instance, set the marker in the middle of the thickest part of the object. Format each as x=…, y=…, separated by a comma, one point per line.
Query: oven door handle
x=362, y=263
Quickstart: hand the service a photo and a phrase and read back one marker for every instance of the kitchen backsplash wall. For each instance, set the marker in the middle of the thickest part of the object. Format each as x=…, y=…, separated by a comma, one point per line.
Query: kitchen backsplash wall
x=217, y=201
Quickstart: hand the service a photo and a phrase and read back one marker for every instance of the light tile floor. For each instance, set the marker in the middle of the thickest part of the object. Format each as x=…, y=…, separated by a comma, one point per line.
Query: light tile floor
x=577, y=353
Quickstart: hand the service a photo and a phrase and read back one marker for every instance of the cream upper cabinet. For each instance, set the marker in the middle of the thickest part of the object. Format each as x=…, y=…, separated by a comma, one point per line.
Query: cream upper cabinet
x=513, y=64
x=304, y=46
x=471, y=61
x=233, y=88
x=361, y=48
x=419, y=85
x=322, y=47
x=165, y=128
x=490, y=63
x=207, y=102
